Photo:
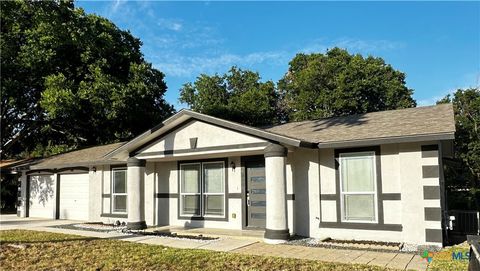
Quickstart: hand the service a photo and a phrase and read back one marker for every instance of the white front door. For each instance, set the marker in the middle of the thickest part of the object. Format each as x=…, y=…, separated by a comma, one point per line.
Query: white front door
x=73, y=196
x=42, y=196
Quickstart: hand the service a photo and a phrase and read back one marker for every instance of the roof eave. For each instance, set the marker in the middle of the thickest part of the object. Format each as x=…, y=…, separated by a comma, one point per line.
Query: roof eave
x=387, y=140
x=84, y=164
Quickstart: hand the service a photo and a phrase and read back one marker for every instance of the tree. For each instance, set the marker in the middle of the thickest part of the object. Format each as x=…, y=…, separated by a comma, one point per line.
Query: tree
x=238, y=95
x=71, y=79
x=337, y=83
x=464, y=175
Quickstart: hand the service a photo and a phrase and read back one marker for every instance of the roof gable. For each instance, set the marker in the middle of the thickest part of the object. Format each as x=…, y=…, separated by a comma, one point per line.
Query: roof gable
x=179, y=118
x=195, y=134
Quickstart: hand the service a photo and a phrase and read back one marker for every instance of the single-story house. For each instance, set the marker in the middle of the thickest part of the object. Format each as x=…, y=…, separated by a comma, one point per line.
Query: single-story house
x=375, y=176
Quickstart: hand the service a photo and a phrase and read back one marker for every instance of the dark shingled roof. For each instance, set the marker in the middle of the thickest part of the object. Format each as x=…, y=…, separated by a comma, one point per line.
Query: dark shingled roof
x=419, y=121
x=83, y=157
x=429, y=123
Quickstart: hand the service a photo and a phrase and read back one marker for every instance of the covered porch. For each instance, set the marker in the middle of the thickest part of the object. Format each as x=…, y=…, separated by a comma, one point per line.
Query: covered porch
x=206, y=172
x=240, y=190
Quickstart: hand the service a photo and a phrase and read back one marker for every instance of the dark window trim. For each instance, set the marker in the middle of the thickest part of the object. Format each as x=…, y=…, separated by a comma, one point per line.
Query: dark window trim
x=179, y=211
x=380, y=225
x=57, y=197
x=27, y=198
x=378, y=171
x=243, y=161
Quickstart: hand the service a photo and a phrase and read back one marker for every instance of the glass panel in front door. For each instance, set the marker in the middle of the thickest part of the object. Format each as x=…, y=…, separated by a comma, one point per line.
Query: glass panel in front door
x=256, y=199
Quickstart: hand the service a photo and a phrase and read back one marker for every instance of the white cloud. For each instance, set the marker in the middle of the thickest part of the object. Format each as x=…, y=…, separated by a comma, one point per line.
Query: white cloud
x=209, y=61
x=181, y=66
x=170, y=24
x=357, y=45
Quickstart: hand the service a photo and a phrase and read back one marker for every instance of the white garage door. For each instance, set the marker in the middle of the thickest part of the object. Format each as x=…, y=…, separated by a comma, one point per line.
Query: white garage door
x=74, y=196
x=42, y=196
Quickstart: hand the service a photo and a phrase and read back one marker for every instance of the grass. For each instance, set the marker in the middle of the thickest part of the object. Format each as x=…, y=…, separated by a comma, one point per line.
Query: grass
x=55, y=251
x=444, y=261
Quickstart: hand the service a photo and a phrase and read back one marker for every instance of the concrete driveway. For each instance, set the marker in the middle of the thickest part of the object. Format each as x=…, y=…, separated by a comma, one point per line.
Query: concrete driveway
x=12, y=221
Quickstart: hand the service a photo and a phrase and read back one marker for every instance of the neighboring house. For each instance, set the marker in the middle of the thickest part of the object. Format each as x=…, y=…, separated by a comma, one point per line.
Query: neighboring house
x=375, y=176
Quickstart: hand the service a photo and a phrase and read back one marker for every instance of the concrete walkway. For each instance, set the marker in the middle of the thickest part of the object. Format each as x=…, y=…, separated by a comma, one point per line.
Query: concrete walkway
x=233, y=244
x=401, y=261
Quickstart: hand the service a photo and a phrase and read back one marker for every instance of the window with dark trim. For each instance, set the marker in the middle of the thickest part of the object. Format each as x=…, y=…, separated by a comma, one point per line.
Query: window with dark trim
x=119, y=190
x=358, y=187
x=202, y=189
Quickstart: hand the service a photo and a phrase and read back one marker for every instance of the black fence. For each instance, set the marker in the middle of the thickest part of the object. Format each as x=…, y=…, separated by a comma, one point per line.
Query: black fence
x=465, y=223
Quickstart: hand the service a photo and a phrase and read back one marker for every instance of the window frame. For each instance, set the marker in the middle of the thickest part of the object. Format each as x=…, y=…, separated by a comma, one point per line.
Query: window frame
x=181, y=194
x=204, y=194
x=342, y=156
x=202, y=215
x=113, y=193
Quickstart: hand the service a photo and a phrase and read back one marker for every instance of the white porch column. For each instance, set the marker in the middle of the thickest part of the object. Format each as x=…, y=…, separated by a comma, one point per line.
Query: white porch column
x=22, y=200
x=276, y=225
x=135, y=194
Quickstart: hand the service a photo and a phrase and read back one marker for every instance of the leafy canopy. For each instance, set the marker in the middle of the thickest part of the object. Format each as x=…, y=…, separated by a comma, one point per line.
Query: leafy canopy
x=238, y=95
x=72, y=79
x=465, y=174
x=337, y=83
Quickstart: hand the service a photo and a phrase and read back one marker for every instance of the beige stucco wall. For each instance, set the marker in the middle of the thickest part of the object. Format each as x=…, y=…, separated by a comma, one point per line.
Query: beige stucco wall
x=95, y=190
x=310, y=176
x=401, y=173
x=208, y=135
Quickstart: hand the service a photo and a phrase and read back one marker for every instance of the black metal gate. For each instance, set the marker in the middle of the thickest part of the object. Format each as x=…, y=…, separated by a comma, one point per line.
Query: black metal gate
x=465, y=223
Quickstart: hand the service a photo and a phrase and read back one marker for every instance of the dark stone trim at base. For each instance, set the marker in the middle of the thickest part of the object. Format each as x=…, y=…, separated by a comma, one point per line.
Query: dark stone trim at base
x=203, y=218
x=433, y=235
x=276, y=234
x=362, y=226
x=136, y=225
x=114, y=215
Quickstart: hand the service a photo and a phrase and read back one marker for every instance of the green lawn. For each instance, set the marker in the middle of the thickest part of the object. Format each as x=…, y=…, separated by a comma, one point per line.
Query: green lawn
x=67, y=252
x=443, y=260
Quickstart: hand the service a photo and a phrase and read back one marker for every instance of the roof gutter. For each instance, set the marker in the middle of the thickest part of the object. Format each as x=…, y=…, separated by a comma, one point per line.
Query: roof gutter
x=386, y=140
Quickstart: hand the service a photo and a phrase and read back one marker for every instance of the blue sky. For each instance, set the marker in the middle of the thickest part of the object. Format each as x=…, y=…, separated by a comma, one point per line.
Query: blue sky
x=437, y=44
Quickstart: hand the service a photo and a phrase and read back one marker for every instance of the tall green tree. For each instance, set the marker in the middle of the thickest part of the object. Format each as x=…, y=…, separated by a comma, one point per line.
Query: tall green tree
x=72, y=79
x=464, y=175
x=338, y=83
x=239, y=95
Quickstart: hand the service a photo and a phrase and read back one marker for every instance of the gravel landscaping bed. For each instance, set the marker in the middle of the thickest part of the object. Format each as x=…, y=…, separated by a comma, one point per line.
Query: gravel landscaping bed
x=346, y=244
x=122, y=228
x=97, y=227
